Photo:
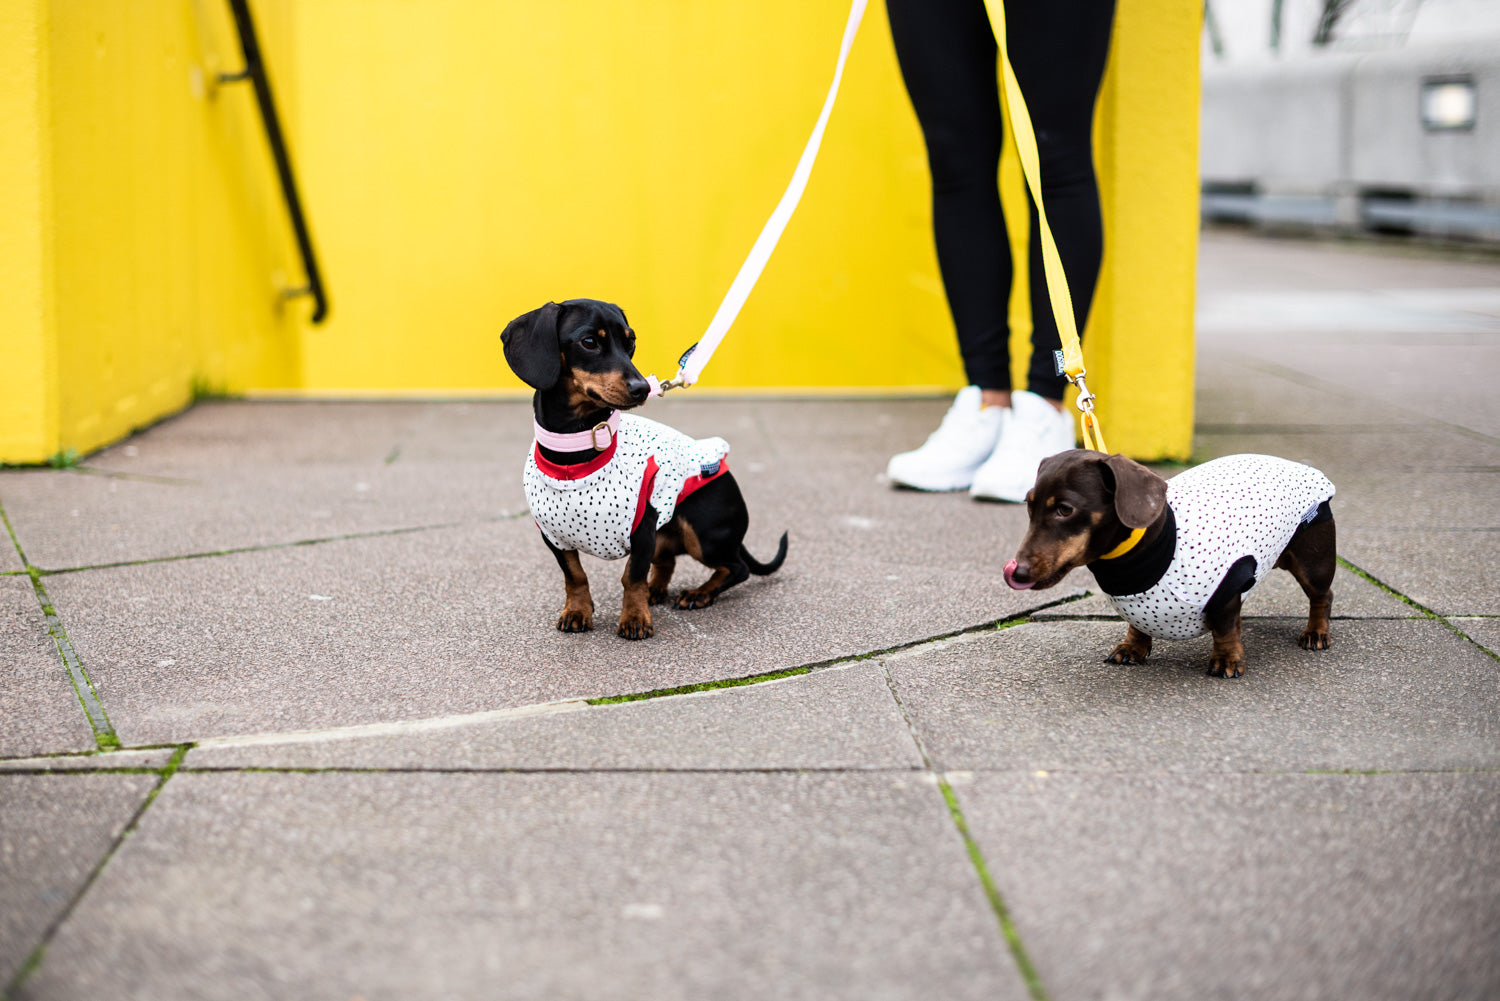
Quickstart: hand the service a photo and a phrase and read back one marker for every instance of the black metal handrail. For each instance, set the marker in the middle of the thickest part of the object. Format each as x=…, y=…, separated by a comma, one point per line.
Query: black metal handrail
x=255, y=72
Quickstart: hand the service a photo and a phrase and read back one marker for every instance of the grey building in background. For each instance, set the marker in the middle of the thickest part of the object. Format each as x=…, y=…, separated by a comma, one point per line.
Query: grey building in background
x=1378, y=115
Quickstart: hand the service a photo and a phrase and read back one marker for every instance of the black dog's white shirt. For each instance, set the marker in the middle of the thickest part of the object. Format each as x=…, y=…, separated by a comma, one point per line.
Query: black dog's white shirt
x=596, y=506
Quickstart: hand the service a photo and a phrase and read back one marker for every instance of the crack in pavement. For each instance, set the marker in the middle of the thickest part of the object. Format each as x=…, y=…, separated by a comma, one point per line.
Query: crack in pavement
x=273, y=546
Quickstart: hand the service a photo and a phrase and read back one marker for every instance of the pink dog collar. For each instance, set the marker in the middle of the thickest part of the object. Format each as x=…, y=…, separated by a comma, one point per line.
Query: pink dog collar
x=597, y=437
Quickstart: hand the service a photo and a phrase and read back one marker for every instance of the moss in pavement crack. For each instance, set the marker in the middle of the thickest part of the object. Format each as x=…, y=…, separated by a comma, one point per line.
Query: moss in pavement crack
x=997, y=903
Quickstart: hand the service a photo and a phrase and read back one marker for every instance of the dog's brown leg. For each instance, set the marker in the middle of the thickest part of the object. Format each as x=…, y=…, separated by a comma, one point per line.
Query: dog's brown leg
x=723, y=576
x=578, y=610
x=1135, y=648
x=635, y=606
x=1311, y=557
x=703, y=595
x=1228, y=660
x=668, y=546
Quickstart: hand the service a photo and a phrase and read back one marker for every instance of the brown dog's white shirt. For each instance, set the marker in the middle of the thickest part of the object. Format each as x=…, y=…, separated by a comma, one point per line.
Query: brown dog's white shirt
x=1237, y=506
x=596, y=507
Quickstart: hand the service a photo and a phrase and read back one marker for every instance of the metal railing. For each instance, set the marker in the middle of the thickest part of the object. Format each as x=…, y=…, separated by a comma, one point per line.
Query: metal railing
x=255, y=72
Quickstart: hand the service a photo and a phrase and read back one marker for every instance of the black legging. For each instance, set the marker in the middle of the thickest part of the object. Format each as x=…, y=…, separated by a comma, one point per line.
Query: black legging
x=948, y=55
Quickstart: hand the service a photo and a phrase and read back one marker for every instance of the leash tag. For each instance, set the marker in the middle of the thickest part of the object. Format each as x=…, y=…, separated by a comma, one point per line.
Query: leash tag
x=1057, y=360
x=687, y=354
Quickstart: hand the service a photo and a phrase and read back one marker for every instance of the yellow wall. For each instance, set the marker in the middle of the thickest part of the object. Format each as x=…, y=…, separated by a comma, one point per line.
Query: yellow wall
x=465, y=160
x=141, y=219
x=471, y=160
x=1139, y=344
x=28, y=382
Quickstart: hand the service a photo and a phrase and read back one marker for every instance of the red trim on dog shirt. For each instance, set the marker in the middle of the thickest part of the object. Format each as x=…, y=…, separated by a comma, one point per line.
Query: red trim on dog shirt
x=648, y=482
x=698, y=481
x=578, y=472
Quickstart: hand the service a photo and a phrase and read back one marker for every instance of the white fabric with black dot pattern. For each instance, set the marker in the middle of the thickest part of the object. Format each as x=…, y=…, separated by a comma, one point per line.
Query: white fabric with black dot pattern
x=1237, y=506
x=594, y=513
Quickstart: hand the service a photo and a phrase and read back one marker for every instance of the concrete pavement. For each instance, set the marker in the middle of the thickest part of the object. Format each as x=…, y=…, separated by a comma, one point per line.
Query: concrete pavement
x=285, y=715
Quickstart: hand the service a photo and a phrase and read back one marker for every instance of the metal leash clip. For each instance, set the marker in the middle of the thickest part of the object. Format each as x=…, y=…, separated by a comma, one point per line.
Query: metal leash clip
x=1093, y=435
x=677, y=381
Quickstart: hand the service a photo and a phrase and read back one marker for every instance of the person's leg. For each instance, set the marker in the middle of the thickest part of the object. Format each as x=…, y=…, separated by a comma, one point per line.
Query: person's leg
x=1058, y=49
x=947, y=56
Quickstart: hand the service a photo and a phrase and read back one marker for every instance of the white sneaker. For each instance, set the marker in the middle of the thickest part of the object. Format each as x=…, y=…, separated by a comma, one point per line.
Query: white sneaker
x=955, y=450
x=1036, y=429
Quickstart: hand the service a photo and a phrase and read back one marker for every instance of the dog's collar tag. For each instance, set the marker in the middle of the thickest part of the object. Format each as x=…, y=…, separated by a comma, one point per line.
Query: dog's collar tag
x=1126, y=546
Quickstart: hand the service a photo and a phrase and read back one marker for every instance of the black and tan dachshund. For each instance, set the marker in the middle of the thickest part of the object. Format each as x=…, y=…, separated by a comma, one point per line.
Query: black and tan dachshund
x=577, y=356
x=1180, y=574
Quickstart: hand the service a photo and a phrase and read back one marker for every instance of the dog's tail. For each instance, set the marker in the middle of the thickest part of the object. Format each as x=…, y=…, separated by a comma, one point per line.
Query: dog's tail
x=762, y=569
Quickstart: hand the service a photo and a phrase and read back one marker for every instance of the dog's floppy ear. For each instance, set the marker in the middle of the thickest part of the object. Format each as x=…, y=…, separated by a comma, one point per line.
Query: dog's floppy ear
x=531, y=346
x=1140, y=495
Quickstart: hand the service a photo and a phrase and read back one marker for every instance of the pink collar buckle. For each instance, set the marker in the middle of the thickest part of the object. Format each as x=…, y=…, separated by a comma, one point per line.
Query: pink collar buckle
x=597, y=437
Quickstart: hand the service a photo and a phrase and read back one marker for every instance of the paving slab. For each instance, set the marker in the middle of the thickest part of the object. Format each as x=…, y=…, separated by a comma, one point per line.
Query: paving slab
x=234, y=474
x=1387, y=695
x=54, y=831
x=100, y=761
x=40, y=710
x=462, y=620
x=1484, y=631
x=536, y=886
x=1408, y=374
x=1233, y=262
x=1450, y=572
x=1237, y=389
x=1151, y=886
x=834, y=718
x=69, y=519
x=10, y=560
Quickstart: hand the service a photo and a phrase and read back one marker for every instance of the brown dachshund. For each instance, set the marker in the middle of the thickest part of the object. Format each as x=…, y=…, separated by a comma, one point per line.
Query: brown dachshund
x=1175, y=559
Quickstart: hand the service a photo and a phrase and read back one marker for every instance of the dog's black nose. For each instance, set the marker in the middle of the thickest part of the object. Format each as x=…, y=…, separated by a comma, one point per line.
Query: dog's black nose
x=638, y=388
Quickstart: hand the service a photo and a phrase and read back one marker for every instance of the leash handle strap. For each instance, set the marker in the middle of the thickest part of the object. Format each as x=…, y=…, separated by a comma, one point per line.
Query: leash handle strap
x=698, y=356
x=1031, y=166
x=1071, y=363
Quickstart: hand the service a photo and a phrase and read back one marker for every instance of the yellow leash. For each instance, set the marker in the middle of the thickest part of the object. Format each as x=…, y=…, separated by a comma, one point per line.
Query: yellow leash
x=1070, y=360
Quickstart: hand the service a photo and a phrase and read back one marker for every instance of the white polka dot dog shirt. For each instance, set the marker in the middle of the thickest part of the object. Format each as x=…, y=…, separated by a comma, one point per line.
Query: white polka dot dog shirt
x=595, y=506
x=1225, y=510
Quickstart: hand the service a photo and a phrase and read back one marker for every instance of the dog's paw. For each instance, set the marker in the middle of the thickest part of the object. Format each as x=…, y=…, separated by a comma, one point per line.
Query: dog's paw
x=1127, y=653
x=635, y=627
x=1226, y=666
x=1313, y=639
x=695, y=599
x=576, y=620
x=658, y=596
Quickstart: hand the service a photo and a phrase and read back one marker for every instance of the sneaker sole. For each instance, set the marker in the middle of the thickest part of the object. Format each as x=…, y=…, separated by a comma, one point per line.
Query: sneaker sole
x=899, y=485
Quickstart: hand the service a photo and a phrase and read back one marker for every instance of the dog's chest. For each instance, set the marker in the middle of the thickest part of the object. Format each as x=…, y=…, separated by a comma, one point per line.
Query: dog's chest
x=597, y=513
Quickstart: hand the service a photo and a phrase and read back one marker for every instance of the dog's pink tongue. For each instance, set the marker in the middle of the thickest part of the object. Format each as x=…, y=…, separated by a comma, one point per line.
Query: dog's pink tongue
x=1010, y=578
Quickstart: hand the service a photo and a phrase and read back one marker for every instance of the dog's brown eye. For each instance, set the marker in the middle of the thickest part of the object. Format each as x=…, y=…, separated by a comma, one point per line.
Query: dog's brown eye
x=589, y=343
x=1063, y=511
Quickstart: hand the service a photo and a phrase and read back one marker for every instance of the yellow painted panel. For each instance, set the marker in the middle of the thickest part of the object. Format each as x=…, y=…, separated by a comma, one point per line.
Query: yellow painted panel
x=28, y=378
x=467, y=161
x=1139, y=346
x=166, y=226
